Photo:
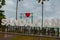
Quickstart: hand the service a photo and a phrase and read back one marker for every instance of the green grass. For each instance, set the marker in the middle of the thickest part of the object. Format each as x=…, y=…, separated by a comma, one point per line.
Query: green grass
x=31, y=38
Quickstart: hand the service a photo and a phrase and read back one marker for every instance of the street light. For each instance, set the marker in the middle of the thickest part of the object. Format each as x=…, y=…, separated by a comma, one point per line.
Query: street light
x=17, y=8
x=42, y=12
x=42, y=2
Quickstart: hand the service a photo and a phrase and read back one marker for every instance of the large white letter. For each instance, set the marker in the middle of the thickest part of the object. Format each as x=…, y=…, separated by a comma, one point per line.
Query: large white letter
x=4, y=21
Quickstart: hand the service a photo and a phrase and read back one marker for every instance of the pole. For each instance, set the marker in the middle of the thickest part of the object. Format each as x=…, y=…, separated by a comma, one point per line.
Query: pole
x=32, y=18
x=20, y=15
x=42, y=13
x=16, y=9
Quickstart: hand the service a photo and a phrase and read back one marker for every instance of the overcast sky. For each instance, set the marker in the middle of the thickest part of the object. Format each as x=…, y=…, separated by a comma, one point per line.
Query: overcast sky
x=51, y=8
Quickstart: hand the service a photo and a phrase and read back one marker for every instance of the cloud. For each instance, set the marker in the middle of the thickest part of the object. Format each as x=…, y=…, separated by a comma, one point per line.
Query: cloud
x=51, y=8
x=9, y=9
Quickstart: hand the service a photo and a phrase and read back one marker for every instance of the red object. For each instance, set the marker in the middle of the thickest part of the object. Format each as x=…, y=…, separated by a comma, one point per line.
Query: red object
x=27, y=14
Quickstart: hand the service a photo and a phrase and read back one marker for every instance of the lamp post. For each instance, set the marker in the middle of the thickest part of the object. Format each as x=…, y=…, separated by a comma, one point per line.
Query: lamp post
x=16, y=9
x=42, y=9
x=42, y=2
x=42, y=12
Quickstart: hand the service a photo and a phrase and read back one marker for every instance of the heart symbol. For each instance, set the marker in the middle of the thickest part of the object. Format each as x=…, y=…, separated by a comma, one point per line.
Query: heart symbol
x=27, y=14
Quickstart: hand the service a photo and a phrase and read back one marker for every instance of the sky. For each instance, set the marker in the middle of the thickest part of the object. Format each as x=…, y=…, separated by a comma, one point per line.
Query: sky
x=51, y=8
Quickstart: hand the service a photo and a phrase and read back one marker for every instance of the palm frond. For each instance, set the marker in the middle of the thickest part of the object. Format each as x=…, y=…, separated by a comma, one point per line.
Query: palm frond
x=20, y=0
x=39, y=1
x=3, y=2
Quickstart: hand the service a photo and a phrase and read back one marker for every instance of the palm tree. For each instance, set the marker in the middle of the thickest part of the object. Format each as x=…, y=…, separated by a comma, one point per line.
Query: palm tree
x=1, y=12
x=1, y=15
x=2, y=3
x=52, y=31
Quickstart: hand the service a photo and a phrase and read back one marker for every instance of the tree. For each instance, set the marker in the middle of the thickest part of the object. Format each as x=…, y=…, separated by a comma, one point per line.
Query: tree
x=1, y=16
x=1, y=11
x=52, y=31
x=2, y=3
